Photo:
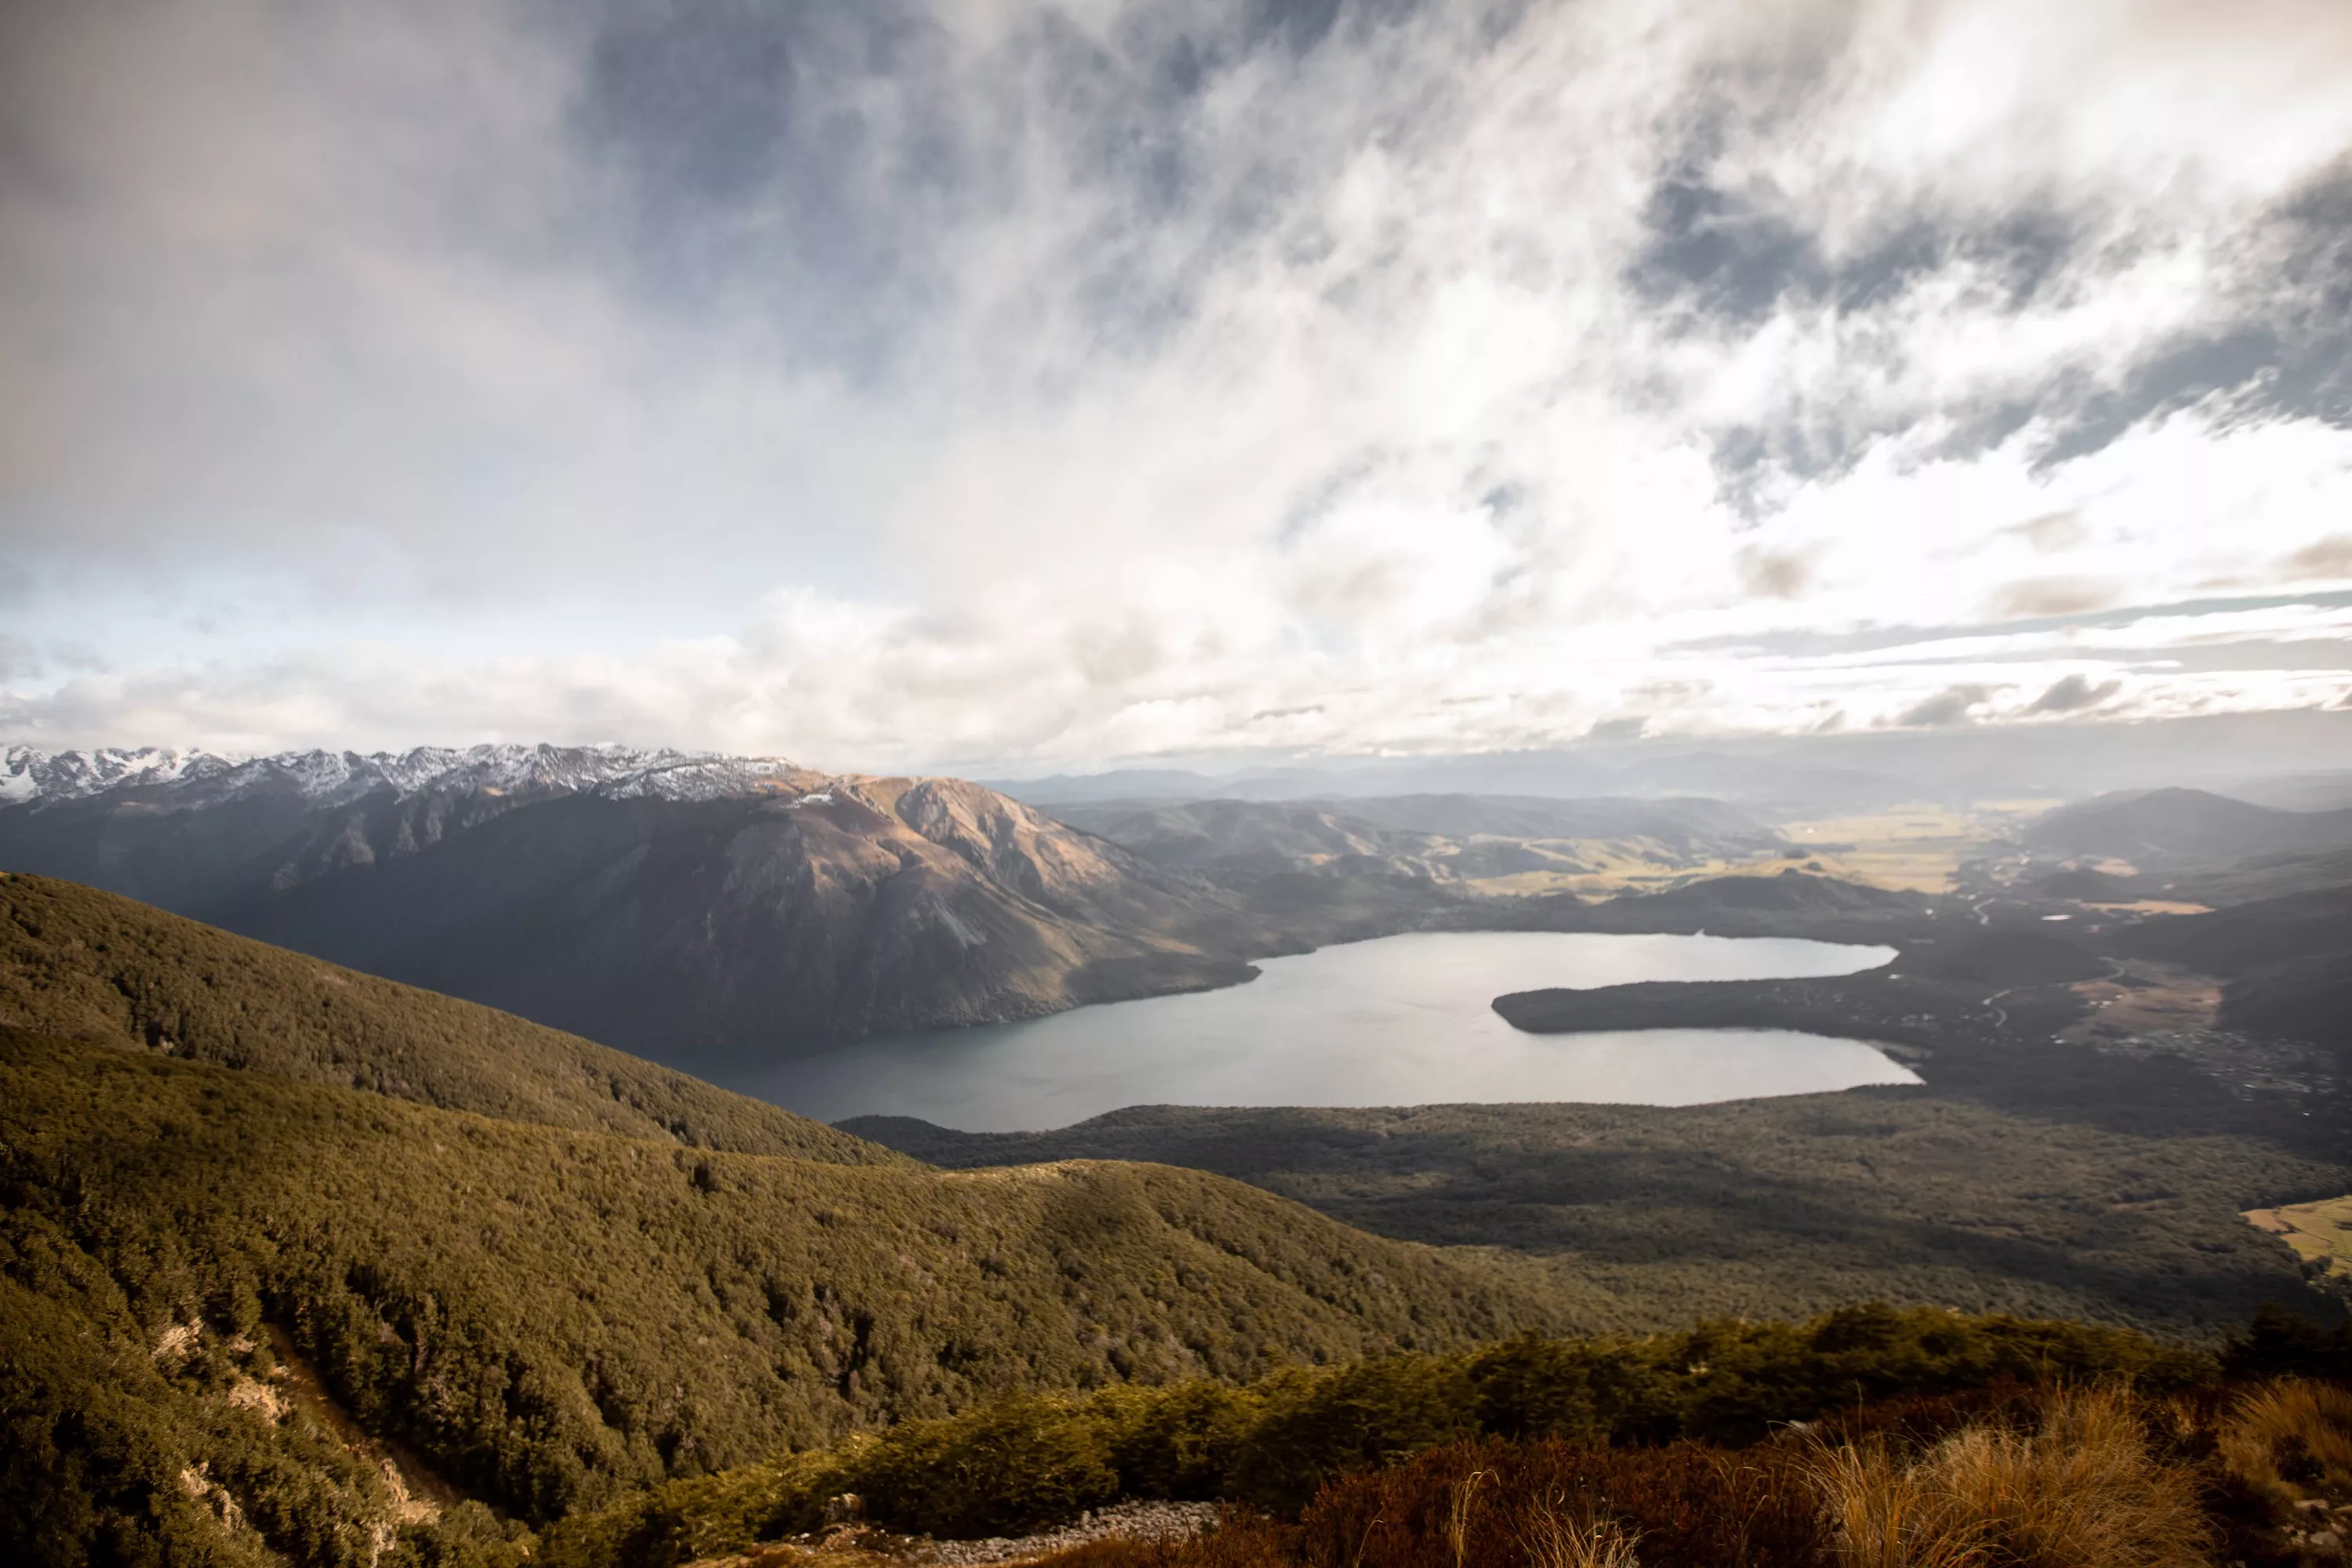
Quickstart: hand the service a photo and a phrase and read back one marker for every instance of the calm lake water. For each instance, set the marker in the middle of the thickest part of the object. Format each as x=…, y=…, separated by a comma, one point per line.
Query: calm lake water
x=1403, y=1020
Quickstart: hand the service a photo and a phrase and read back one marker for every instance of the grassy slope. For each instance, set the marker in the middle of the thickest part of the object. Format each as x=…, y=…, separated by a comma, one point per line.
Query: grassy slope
x=550, y=1316
x=77, y=962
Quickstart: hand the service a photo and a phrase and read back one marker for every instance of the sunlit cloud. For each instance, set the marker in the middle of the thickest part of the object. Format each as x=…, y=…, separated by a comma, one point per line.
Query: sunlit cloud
x=1004, y=385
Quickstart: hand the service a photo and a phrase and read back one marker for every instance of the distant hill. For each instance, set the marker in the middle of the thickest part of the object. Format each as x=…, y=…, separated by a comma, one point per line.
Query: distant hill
x=2306, y=998
x=1750, y=780
x=1243, y=835
x=642, y=897
x=2246, y=937
x=95, y=966
x=2169, y=826
x=1791, y=893
x=216, y=1281
x=2328, y=790
x=2084, y=885
x=2259, y=876
x=2005, y=956
x=1448, y=839
x=1766, y=783
x=2287, y=961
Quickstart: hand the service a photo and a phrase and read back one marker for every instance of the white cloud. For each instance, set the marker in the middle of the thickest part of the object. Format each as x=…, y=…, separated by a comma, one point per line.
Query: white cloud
x=1368, y=397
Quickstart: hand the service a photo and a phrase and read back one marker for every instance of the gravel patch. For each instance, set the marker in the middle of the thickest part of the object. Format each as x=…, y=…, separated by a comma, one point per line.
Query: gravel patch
x=1132, y=1520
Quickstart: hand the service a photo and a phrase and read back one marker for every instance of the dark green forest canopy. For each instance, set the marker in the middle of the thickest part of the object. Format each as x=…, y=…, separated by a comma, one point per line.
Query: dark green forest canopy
x=552, y=1317
x=92, y=965
x=1653, y=1217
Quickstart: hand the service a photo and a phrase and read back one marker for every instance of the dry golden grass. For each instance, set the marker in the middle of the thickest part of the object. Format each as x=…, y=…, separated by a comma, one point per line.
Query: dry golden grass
x=2292, y=1439
x=2319, y=1232
x=1918, y=849
x=1462, y=1507
x=2082, y=1491
x=1554, y=1536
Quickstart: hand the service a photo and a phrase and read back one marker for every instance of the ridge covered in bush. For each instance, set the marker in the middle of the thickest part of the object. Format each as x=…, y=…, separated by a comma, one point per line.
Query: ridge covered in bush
x=97, y=966
x=1277, y=1443
x=549, y=1318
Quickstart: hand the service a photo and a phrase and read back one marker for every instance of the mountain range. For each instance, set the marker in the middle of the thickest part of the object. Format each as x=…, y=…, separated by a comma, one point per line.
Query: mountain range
x=640, y=895
x=685, y=902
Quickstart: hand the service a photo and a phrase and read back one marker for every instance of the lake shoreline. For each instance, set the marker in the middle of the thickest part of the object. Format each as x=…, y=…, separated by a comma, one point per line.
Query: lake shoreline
x=1398, y=1020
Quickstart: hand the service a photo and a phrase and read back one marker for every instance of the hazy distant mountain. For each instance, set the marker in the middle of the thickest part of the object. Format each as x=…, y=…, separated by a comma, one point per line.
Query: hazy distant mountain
x=1558, y=776
x=646, y=897
x=2174, y=826
x=2328, y=791
x=2264, y=877
x=1792, y=775
x=1683, y=824
x=1436, y=838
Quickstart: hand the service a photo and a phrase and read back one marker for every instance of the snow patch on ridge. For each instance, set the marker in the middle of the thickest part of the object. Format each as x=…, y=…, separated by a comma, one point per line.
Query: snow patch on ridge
x=170, y=778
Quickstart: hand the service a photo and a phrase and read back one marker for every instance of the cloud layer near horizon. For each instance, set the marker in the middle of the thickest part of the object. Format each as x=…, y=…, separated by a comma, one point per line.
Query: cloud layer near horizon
x=994, y=384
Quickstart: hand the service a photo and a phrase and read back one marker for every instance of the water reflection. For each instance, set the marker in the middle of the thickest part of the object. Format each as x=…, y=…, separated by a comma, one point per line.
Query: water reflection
x=1403, y=1020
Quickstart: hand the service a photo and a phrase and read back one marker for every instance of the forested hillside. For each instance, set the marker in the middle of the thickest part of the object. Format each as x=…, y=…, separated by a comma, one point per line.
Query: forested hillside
x=548, y=1317
x=92, y=965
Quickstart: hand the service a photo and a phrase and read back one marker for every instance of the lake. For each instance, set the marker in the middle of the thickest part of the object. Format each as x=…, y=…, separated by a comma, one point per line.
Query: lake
x=1401, y=1020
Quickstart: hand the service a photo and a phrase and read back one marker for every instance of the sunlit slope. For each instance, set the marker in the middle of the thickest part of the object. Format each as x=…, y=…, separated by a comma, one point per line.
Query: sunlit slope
x=548, y=1315
x=93, y=965
x=692, y=905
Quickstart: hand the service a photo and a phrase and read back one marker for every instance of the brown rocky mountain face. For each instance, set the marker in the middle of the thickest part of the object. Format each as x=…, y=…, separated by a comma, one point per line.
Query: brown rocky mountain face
x=812, y=904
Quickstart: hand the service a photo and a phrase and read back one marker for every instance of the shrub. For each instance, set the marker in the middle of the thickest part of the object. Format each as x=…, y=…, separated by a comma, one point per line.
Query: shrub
x=1497, y=1503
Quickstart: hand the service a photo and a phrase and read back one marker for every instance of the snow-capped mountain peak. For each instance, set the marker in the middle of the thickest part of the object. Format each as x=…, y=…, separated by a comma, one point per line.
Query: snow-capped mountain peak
x=31, y=776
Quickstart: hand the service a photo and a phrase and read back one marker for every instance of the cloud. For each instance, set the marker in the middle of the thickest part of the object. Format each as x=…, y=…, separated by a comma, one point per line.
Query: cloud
x=1775, y=573
x=2053, y=596
x=2052, y=531
x=988, y=381
x=1953, y=705
x=2072, y=694
x=2323, y=559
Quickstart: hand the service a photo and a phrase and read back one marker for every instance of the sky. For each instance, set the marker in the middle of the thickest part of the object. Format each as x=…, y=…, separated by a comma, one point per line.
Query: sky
x=1001, y=385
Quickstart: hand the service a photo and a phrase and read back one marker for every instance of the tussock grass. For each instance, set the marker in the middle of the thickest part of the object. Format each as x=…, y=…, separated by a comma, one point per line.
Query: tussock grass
x=2084, y=1491
x=2291, y=1438
x=1553, y=1536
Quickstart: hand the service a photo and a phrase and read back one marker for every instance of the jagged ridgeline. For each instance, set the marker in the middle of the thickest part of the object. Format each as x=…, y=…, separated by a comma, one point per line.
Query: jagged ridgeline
x=228, y=1292
x=652, y=900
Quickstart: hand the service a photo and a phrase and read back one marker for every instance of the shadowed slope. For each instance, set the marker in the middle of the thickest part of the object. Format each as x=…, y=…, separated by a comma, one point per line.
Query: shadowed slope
x=80, y=963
